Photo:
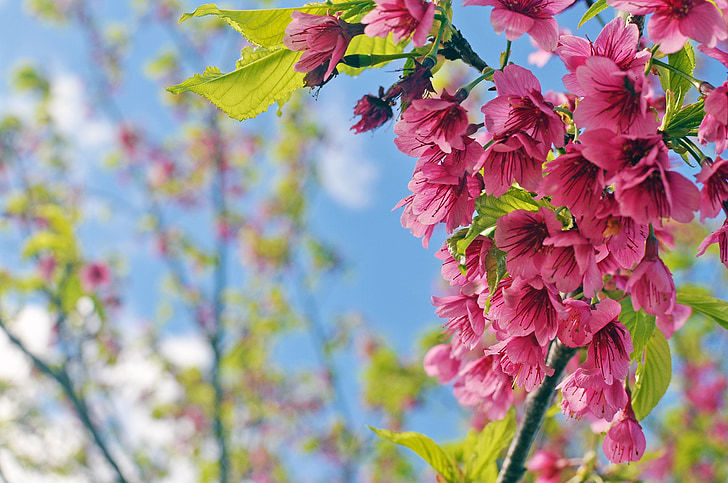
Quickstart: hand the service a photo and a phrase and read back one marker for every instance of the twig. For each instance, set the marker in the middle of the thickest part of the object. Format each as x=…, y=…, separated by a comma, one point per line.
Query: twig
x=458, y=47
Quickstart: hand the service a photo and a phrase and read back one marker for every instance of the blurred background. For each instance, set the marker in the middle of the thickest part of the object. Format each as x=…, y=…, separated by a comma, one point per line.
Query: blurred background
x=186, y=297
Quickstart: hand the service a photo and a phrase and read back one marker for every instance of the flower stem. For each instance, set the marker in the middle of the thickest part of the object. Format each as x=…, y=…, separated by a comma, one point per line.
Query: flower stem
x=464, y=92
x=368, y=60
x=506, y=55
x=537, y=403
x=431, y=59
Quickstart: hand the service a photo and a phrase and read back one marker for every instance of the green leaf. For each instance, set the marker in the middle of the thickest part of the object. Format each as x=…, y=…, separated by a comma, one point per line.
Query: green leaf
x=486, y=446
x=252, y=87
x=682, y=122
x=593, y=11
x=265, y=27
x=495, y=270
x=640, y=325
x=653, y=376
x=705, y=304
x=427, y=449
x=363, y=44
x=683, y=60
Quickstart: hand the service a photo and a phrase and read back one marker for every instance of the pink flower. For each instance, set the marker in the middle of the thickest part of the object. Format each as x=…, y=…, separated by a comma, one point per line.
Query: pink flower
x=322, y=38
x=616, y=153
x=415, y=84
x=401, y=18
x=441, y=193
x=651, y=285
x=512, y=157
x=481, y=382
x=573, y=181
x=575, y=330
x=523, y=359
x=440, y=121
x=714, y=127
x=46, y=267
x=613, y=98
x=716, y=54
x=675, y=21
x=475, y=256
x=571, y=262
x=466, y=317
x=714, y=177
x=720, y=236
x=95, y=275
x=617, y=41
x=520, y=107
x=520, y=234
x=547, y=466
x=585, y=392
x=374, y=112
x=467, y=158
x=610, y=349
x=535, y=17
x=529, y=307
x=673, y=321
x=625, y=440
x=440, y=363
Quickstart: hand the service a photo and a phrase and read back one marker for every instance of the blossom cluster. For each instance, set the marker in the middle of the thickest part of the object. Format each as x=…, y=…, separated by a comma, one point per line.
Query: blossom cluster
x=595, y=163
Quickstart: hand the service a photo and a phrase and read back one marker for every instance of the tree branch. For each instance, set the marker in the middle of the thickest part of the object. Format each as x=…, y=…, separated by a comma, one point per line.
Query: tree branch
x=458, y=47
x=537, y=403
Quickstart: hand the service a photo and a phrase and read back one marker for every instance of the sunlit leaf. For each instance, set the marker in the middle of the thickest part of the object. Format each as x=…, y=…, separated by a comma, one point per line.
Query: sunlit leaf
x=653, y=376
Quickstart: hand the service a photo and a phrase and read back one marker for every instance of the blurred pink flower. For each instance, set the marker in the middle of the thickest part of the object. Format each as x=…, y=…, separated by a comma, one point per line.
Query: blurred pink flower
x=94, y=275
x=720, y=236
x=402, y=18
x=714, y=127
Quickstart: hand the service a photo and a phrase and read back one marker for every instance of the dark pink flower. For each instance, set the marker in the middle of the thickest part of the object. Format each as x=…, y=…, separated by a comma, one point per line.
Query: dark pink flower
x=513, y=157
x=402, y=18
x=529, y=307
x=466, y=317
x=520, y=234
x=585, y=392
x=651, y=285
x=94, y=275
x=625, y=440
x=675, y=21
x=575, y=329
x=610, y=349
x=520, y=107
x=475, y=256
x=534, y=17
x=714, y=177
x=482, y=383
x=571, y=262
x=414, y=85
x=323, y=39
x=573, y=181
x=714, y=127
x=720, y=236
x=374, y=112
x=440, y=363
x=616, y=153
x=523, y=359
x=613, y=98
x=618, y=41
x=440, y=121
x=468, y=158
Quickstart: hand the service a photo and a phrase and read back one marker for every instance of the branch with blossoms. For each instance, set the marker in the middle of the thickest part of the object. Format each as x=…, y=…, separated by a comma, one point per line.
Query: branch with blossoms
x=557, y=205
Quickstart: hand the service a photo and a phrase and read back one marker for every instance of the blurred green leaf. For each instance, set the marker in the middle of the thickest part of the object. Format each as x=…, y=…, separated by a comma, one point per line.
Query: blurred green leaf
x=653, y=376
x=703, y=303
x=593, y=11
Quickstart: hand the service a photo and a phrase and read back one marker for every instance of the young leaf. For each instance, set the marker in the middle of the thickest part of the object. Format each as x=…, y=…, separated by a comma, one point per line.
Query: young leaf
x=683, y=60
x=363, y=44
x=640, y=325
x=252, y=87
x=494, y=438
x=427, y=449
x=685, y=120
x=265, y=27
x=653, y=376
x=593, y=11
x=703, y=303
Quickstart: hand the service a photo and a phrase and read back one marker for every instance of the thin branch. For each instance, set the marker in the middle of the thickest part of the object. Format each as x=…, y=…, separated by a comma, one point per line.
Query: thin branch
x=537, y=403
x=458, y=47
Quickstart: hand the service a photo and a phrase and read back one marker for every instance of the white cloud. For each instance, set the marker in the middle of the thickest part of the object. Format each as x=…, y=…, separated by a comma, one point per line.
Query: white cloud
x=347, y=175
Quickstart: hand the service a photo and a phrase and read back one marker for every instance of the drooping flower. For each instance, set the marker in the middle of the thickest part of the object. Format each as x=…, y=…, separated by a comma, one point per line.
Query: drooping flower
x=625, y=440
x=610, y=349
x=529, y=307
x=440, y=121
x=613, y=98
x=571, y=262
x=440, y=363
x=714, y=177
x=402, y=18
x=520, y=107
x=675, y=21
x=415, y=84
x=475, y=258
x=585, y=392
x=95, y=275
x=617, y=41
x=534, y=17
x=651, y=285
x=714, y=127
x=720, y=236
x=514, y=157
x=374, y=111
x=575, y=329
x=520, y=234
x=673, y=321
x=523, y=359
x=466, y=317
x=323, y=39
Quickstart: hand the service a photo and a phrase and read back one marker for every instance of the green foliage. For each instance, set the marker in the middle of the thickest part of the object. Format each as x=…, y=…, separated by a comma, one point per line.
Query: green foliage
x=683, y=60
x=680, y=123
x=593, y=11
x=495, y=266
x=653, y=376
x=252, y=87
x=427, y=449
x=703, y=303
x=481, y=450
x=641, y=327
x=363, y=44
